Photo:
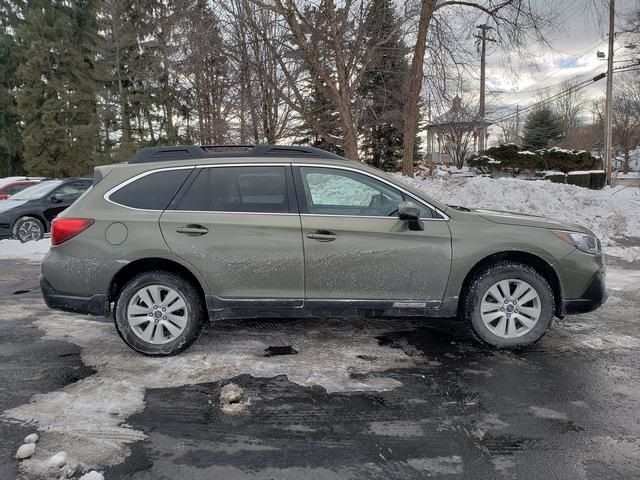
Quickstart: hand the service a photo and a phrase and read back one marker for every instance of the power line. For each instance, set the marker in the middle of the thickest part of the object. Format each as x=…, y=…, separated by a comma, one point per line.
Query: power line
x=575, y=88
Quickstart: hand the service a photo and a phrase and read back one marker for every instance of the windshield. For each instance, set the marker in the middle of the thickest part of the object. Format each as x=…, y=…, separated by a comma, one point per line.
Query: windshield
x=37, y=191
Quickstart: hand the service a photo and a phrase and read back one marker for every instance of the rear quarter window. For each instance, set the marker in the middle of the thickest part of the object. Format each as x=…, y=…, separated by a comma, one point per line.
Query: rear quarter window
x=151, y=192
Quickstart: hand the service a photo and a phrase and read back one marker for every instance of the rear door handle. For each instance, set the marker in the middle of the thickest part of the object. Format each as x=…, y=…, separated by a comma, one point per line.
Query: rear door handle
x=322, y=236
x=193, y=230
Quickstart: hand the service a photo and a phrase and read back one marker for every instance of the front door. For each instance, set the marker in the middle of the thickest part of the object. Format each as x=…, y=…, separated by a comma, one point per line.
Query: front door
x=356, y=247
x=240, y=227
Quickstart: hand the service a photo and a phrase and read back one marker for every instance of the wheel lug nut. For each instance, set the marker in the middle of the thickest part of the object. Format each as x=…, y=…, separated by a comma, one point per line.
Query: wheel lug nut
x=516, y=310
x=164, y=309
x=155, y=306
x=502, y=310
x=514, y=302
x=151, y=314
x=164, y=318
x=506, y=301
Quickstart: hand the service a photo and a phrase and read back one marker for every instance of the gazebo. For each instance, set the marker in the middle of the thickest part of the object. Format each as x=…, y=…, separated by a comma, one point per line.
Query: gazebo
x=456, y=131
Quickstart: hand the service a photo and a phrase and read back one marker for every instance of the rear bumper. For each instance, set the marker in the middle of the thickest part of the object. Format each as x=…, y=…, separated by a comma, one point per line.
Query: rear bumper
x=592, y=298
x=93, y=305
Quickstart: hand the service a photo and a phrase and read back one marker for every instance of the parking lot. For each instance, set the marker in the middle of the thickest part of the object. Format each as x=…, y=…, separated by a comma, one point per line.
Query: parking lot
x=321, y=399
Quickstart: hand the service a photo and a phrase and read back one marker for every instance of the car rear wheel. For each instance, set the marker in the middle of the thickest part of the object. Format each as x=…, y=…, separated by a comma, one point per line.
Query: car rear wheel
x=159, y=313
x=509, y=305
x=27, y=229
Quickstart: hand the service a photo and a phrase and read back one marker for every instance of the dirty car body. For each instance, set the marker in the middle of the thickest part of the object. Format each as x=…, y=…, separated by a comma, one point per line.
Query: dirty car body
x=292, y=231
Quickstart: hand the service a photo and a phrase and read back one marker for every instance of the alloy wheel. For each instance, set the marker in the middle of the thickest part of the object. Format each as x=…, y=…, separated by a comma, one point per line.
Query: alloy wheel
x=29, y=230
x=510, y=308
x=157, y=314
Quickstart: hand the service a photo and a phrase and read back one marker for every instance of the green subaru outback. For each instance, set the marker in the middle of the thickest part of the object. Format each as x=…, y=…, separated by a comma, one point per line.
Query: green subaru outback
x=179, y=235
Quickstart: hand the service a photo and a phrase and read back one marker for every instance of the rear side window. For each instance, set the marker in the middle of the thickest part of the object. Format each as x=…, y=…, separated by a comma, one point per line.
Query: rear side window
x=151, y=192
x=238, y=189
x=72, y=190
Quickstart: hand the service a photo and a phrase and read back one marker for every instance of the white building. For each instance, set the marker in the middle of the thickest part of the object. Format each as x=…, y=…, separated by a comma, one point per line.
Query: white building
x=634, y=160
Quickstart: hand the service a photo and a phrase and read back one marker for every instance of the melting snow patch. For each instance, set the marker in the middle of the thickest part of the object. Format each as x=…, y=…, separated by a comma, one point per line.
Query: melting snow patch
x=438, y=465
x=233, y=400
x=30, y=250
x=59, y=460
x=33, y=438
x=541, y=412
x=92, y=475
x=87, y=418
x=26, y=450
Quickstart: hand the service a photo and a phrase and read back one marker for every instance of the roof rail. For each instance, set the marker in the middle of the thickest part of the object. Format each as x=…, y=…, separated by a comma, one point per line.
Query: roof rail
x=189, y=152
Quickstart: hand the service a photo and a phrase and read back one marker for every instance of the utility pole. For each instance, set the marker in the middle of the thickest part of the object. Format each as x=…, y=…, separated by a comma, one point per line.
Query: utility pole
x=608, y=140
x=517, y=132
x=484, y=28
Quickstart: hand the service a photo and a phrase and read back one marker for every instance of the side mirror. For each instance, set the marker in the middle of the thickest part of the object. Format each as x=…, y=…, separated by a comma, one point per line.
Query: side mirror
x=410, y=212
x=55, y=198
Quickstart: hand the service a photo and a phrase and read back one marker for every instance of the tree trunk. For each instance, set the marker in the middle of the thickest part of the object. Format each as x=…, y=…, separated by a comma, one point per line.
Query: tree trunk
x=625, y=167
x=350, y=140
x=411, y=108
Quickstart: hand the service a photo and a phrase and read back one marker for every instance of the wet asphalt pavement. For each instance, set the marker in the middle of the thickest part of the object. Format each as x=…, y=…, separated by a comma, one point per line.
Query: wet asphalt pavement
x=568, y=407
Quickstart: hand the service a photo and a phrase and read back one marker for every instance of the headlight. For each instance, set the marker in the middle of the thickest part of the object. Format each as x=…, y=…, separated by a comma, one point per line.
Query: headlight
x=582, y=241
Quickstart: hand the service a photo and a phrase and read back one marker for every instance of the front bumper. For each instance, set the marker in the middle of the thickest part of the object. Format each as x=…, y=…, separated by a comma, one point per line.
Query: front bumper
x=93, y=305
x=592, y=298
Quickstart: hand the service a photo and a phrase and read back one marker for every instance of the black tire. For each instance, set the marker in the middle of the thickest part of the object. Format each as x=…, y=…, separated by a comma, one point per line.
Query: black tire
x=28, y=228
x=482, y=282
x=196, y=313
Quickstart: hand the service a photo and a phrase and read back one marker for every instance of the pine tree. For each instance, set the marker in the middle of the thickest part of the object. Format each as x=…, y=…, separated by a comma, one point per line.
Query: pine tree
x=322, y=120
x=57, y=101
x=382, y=89
x=10, y=137
x=542, y=127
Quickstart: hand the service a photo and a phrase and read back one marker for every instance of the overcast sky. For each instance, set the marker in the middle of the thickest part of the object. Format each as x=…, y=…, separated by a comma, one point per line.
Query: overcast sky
x=580, y=33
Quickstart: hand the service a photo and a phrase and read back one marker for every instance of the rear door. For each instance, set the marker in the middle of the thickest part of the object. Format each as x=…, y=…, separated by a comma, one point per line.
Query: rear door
x=356, y=247
x=240, y=226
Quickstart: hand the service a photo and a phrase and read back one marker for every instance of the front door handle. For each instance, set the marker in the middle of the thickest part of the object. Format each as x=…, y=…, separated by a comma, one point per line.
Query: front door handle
x=193, y=230
x=322, y=236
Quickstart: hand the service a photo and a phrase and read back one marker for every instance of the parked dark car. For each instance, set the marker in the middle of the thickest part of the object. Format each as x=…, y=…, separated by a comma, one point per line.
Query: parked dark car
x=27, y=215
x=11, y=188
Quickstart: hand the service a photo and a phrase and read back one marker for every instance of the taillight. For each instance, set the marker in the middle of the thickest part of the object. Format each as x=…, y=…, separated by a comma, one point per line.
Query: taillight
x=3, y=196
x=62, y=229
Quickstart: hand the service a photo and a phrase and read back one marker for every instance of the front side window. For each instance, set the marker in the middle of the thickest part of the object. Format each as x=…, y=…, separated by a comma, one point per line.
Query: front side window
x=37, y=191
x=342, y=192
x=151, y=192
x=238, y=189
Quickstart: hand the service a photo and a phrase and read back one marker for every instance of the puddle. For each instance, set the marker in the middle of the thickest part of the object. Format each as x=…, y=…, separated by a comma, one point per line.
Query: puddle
x=275, y=351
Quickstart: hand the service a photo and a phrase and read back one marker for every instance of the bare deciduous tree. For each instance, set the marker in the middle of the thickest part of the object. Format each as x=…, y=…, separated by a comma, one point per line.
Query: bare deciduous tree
x=333, y=49
x=626, y=115
x=514, y=20
x=570, y=106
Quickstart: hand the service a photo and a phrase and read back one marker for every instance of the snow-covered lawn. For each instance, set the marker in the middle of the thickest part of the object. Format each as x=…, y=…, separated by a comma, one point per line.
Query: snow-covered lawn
x=612, y=213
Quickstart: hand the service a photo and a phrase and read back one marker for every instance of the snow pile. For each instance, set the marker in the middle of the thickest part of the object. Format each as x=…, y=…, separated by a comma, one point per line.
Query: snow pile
x=30, y=250
x=92, y=475
x=233, y=400
x=612, y=213
x=25, y=451
x=59, y=460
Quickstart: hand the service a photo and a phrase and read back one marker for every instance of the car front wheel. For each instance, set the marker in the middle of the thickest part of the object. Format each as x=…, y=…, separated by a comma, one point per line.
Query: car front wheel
x=27, y=229
x=159, y=313
x=509, y=305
